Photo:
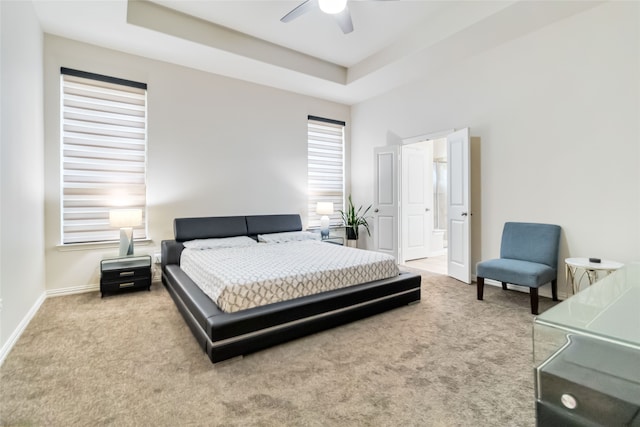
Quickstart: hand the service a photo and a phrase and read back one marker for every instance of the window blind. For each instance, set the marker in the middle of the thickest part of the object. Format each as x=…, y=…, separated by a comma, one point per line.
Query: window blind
x=103, y=154
x=325, y=158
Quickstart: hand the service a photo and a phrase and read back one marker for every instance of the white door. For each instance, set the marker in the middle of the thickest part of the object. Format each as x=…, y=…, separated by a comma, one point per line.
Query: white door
x=459, y=205
x=416, y=214
x=385, y=204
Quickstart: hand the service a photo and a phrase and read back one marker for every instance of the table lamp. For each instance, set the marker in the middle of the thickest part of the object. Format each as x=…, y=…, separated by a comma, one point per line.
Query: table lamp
x=324, y=209
x=125, y=219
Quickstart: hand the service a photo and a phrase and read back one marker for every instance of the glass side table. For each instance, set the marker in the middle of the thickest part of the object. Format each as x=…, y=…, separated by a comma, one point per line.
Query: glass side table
x=587, y=355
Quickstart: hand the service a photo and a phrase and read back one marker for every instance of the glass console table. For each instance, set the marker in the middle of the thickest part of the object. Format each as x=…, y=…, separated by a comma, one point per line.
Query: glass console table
x=587, y=355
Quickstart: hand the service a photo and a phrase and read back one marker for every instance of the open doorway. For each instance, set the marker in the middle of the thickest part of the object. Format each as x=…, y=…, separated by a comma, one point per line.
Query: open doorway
x=425, y=161
x=403, y=212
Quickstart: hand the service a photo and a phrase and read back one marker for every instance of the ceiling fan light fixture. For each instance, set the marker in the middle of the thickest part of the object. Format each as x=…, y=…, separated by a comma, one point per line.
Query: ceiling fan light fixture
x=332, y=6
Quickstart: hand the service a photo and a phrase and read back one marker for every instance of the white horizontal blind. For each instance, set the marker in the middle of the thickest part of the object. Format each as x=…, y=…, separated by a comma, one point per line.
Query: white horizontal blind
x=325, y=158
x=103, y=157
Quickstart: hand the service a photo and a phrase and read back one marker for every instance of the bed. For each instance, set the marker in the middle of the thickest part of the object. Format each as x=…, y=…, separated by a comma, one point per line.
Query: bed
x=236, y=331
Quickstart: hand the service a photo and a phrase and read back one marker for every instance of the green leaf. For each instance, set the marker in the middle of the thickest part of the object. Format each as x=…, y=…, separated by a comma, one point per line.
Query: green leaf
x=355, y=218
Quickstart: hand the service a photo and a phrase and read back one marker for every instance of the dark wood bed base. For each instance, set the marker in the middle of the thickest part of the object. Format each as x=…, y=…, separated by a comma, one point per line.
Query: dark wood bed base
x=226, y=335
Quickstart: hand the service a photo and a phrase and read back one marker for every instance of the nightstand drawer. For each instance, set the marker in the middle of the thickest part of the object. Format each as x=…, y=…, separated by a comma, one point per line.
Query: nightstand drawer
x=142, y=282
x=126, y=274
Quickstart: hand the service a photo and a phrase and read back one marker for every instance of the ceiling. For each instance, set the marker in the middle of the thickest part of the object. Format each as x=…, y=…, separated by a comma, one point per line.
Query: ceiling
x=394, y=42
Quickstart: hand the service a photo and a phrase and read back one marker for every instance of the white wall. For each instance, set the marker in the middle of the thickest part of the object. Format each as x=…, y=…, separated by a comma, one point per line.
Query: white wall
x=558, y=115
x=216, y=146
x=22, y=263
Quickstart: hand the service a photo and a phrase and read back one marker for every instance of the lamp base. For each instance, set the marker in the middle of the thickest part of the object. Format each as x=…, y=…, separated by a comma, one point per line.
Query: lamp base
x=324, y=227
x=126, y=241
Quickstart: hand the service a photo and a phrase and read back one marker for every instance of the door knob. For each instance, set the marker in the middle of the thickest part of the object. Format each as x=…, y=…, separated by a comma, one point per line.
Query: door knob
x=427, y=209
x=376, y=210
x=464, y=214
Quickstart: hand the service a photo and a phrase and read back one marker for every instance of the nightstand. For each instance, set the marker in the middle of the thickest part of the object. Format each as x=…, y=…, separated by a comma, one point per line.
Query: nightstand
x=336, y=240
x=125, y=273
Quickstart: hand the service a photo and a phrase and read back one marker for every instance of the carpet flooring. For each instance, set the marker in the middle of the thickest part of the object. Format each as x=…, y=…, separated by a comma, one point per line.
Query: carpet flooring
x=130, y=359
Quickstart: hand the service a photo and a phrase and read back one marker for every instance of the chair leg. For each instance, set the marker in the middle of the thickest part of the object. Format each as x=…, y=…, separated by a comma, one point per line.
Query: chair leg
x=534, y=300
x=504, y=286
x=480, y=287
x=554, y=289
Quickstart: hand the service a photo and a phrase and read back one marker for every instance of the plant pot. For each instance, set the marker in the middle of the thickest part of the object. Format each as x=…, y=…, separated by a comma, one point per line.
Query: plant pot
x=351, y=234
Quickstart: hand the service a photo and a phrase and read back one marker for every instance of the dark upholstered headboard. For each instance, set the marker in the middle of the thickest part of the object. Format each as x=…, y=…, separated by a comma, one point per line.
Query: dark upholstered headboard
x=229, y=226
x=265, y=224
x=224, y=226
x=209, y=227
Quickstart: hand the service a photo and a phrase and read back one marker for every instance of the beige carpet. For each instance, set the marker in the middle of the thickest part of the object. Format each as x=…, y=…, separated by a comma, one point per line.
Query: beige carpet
x=131, y=360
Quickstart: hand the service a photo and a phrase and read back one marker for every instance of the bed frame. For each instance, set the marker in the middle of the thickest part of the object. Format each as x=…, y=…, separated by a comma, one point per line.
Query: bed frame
x=226, y=335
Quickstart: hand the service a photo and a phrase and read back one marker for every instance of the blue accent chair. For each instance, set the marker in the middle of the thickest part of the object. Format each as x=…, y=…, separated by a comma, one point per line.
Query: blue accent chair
x=528, y=257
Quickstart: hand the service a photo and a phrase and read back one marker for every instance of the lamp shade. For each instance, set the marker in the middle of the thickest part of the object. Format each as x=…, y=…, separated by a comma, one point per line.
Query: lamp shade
x=332, y=6
x=125, y=217
x=324, y=208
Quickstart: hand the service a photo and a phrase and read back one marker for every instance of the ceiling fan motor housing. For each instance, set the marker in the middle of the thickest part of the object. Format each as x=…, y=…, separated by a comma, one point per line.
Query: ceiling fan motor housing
x=332, y=6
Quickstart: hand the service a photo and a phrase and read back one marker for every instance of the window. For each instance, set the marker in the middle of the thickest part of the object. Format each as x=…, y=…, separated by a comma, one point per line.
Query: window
x=103, y=130
x=325, y=159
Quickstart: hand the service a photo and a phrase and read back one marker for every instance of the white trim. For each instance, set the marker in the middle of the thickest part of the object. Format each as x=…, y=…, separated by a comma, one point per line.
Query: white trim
x=73, y=290
x=99, y=245
x=427, y=137
x=8, y=346
x=13, y=339
x=6, y=349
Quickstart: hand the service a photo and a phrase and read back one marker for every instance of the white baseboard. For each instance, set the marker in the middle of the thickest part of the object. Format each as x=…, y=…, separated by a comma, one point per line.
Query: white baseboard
x=73, y=290
x=6, y=348
x=89, y=288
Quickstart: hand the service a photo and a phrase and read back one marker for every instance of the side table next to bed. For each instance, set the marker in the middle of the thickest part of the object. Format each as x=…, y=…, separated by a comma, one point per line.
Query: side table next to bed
x=336, y=240
x=125, y=273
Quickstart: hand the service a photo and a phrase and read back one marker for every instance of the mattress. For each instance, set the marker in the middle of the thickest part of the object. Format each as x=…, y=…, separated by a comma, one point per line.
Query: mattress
x=239, y=278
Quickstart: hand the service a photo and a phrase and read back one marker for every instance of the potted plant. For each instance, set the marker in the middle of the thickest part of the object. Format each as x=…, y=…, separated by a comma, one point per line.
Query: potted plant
x=353, y=219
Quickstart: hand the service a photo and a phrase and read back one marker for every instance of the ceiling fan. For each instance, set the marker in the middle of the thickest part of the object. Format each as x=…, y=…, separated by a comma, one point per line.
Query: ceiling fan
x=337, y=8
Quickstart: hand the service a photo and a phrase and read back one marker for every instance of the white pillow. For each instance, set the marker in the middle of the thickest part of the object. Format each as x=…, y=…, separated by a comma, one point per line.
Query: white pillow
x=288, y=236
x=224, y=242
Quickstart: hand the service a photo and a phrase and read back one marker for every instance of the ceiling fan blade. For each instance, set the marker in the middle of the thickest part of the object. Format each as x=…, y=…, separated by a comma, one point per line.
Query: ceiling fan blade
x=299, y=10
x=344, y=20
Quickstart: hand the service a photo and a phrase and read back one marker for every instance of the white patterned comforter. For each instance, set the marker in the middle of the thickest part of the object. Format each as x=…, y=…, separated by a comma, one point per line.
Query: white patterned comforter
x=244, y=277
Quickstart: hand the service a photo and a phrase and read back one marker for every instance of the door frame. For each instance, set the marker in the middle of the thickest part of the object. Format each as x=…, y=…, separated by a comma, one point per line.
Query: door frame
x=427, y=136
x=420, y=138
